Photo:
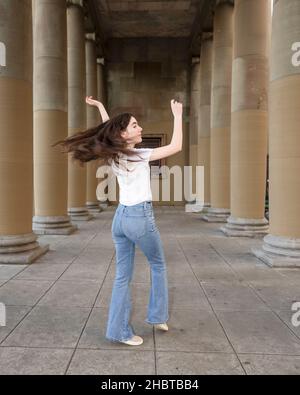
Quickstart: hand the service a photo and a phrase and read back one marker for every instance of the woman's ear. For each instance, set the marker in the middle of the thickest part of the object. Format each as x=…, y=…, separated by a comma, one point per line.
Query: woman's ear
x=124, y=134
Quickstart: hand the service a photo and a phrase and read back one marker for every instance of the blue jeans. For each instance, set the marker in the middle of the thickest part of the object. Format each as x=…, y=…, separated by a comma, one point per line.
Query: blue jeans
x=135, y=225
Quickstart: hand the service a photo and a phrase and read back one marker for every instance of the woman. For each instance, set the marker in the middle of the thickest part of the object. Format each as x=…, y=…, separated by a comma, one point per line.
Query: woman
x=133, y=224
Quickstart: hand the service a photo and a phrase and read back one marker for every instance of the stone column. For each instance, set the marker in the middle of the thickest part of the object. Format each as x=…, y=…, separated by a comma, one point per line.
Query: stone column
x=102, y=97
x=50, y=118
x=18, y=244
x=193, y=132
x=282, y=246
x=221, y=114
x=77, y=175
x=204, y=113
x=249, y=118
x=92, y=119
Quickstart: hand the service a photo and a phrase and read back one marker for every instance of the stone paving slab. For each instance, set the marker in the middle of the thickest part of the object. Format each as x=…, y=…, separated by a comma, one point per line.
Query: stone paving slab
x=191, y=363
x=271, y=364
x=33, y=361
x=79, y=272
x=260, y=332
x=93, y=335
x=229, y=312
x=9, y=271
x=55, y=327
x=23, y=292
x=14, y=314
x=112, y=362
x=45, y=271
x=277, y=293
x=232, y=296
x=193, y=330
x=72, y=294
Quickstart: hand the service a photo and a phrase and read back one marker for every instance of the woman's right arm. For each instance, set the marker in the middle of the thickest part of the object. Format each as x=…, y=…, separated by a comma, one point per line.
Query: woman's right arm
x=89, y=100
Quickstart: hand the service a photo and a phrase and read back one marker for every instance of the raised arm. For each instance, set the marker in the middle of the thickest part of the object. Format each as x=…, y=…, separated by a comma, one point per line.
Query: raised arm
x=89, y=100
x=176, y=142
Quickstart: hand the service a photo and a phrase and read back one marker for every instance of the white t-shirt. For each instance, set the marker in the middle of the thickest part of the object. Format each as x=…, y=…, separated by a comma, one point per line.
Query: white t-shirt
x=135, y=185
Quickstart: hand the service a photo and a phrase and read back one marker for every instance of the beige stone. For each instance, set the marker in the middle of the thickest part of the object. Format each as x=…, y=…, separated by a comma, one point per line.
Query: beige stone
x=282, y=246
x=249, y=118
x=17, y=242
x=77, y=175
x=220, y=115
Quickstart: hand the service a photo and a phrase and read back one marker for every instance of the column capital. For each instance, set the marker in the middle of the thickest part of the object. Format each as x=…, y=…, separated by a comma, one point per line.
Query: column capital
x=78, y=3
x=101, y=61
x=195, y=59
x=90, y=36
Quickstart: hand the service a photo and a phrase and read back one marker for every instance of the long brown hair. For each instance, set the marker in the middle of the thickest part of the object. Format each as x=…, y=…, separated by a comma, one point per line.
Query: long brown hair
x=102, y=142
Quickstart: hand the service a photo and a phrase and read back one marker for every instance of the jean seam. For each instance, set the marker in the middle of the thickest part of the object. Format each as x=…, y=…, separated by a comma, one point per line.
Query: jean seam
x=128, y=291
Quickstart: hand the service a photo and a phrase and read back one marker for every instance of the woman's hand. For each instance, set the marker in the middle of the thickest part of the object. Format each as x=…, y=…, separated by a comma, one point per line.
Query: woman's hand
x=89, y=100
x=176, y=108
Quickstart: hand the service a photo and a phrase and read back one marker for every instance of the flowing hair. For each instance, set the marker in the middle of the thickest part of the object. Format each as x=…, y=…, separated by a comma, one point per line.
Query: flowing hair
x=103, y=142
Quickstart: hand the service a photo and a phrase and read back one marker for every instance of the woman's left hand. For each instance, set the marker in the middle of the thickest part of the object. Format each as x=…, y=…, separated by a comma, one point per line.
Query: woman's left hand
x=89, y=100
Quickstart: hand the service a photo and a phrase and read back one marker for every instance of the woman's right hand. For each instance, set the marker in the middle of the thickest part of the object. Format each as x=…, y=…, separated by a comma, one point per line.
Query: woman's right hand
x=89, y=100
x=176, y=108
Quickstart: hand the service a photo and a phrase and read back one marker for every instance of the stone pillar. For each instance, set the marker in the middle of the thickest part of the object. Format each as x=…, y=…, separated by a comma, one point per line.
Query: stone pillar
x=77, y=175
x=92, y=119
x=191, y=206
x=102, y=97
x=204, y=113
x=282, y=246
x=50, y=118
x=249, y=118
x=18, y=244
x=221, y=114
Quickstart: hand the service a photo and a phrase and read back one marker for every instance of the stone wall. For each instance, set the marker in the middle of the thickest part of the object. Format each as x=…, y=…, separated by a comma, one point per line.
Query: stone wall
x=143, y=76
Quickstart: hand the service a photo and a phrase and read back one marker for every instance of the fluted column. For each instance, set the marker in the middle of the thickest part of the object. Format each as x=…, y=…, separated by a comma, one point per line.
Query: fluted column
x=102, y=97
x=92, y=119
x=18, y=244
x=77, y=175
x=249, y=118
x=221, y=114
x=204, y=113
x=50, y=118
x=282, y=246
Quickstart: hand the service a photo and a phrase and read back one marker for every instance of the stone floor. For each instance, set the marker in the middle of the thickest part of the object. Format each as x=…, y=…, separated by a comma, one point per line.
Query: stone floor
x=229, y=313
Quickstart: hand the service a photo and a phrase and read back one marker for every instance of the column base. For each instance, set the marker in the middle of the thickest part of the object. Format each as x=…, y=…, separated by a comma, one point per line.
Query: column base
x=279, y=251
x=196, y=207
x=216, y=215
x=79, y=214
x=94, y=207
x=20, y=249
x=104, y=204
x=53, y=225
x=245, y=227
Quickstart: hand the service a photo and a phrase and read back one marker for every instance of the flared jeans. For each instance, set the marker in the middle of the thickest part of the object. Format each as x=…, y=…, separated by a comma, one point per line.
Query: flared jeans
x=131, y=226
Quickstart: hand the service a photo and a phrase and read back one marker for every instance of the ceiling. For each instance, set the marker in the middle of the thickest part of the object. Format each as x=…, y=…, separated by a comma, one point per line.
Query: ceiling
x=151, y=18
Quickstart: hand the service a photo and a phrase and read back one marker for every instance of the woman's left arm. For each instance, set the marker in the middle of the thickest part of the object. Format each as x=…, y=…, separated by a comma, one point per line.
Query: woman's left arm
x=176, y=142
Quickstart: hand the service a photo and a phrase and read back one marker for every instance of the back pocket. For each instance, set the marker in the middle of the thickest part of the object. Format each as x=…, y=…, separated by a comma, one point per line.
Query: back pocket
x=135, y=226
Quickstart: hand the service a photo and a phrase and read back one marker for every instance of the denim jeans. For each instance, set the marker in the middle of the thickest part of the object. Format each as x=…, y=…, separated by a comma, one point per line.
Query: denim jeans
x=131, y=226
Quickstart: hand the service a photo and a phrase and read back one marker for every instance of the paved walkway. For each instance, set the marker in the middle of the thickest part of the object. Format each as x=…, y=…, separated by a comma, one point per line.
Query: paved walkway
x=229, y=313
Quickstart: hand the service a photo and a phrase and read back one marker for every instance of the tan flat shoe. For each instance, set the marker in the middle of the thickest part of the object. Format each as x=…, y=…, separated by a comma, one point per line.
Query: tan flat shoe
x=162, y=327
x=134, y=341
